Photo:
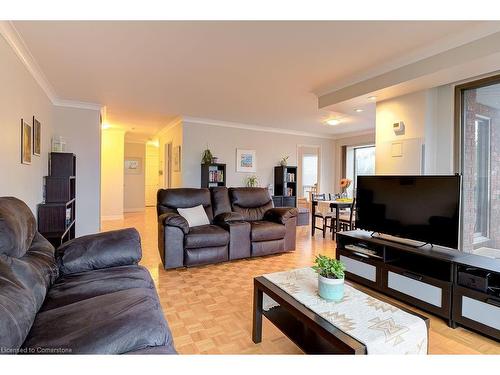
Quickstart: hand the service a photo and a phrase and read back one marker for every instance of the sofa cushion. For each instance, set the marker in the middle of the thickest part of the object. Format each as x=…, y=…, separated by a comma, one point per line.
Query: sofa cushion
x=220, y=200
x=267, y=231
x=114, y=323
x=206, y=236
x=169, y=200
x=17, y=227
x=76, y=287
x=23, y=286
x=252, y=203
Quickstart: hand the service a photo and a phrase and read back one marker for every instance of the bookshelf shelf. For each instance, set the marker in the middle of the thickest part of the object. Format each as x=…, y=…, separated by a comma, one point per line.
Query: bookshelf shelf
x=285, y=186
x=213, y=175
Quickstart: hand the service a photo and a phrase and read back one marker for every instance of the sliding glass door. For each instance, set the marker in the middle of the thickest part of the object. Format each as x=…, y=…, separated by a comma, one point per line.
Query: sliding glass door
x=479, y=126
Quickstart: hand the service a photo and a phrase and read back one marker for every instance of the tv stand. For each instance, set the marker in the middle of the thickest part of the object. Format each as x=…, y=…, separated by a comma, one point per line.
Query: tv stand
x=459, y=287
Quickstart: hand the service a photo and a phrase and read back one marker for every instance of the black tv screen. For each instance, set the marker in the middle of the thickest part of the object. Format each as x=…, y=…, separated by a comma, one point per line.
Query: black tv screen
x=421, y=208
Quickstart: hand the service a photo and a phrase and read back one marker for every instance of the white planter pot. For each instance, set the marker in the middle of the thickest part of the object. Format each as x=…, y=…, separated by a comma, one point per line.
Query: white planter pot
x=330, y=289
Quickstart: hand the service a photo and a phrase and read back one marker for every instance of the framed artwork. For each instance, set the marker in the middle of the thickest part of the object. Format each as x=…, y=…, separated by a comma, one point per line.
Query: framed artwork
x=177, y=158
x=245, y=161
x=37, y=137
x=133, y=166
x=26, y=142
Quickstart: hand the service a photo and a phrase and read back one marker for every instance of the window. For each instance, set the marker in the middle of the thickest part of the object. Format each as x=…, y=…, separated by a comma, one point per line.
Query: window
x=309, y=172
x=360, y=161
x=479, y=129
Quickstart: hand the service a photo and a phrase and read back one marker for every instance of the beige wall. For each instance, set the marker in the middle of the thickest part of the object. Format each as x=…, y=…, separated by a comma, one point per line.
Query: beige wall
x=112, y=176
x=270, y=148
x=152, y=168
x=172, y=133
x=358, y=140
x=134, y=184
x=82, y=133
x=21, y=97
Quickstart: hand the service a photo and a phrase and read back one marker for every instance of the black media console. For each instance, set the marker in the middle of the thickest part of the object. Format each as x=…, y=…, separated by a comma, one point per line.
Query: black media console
x=461, y=288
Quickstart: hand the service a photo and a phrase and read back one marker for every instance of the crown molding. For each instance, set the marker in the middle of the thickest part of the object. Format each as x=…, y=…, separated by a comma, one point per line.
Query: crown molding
x=77, y=104
x=177, y=121
x=16, y=42
x=238, y=125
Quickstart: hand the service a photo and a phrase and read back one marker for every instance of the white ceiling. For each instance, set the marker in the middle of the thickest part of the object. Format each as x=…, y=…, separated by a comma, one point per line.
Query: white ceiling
x=258, y=73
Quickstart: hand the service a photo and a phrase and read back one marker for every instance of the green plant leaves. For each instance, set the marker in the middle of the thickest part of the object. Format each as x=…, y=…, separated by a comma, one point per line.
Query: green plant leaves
x=329, y=267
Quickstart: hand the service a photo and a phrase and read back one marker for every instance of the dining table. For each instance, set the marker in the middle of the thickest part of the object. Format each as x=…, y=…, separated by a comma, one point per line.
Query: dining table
x=326, y=206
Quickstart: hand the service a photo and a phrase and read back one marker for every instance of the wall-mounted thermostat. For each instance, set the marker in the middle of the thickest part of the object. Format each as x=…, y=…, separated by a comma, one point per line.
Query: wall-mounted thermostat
x=398, y=127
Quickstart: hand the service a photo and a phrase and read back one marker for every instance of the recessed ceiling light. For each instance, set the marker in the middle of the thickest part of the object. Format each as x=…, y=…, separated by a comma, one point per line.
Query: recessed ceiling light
x=358, y=110
x=372, y=97
x=333, y=122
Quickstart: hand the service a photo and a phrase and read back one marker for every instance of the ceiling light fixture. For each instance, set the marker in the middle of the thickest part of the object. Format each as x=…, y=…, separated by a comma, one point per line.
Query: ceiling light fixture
x=359, y=110
x=333, y=122
x=373, y=97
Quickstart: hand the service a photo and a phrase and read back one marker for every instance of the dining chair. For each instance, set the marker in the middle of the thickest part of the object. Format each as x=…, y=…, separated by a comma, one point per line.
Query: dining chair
x=319, y=215
x=347, y=220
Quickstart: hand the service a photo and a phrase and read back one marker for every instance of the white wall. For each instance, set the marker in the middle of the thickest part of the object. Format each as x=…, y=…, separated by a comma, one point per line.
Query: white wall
x=21, y=97
x=112, y=176
x=82, y=132
x=429, y=121
x=270, y=148
x=134, y=184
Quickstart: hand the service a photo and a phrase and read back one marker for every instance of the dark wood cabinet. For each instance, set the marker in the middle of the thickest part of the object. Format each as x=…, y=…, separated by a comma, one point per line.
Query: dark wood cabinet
x=285, y=186
x=213, y=175
x=57, y=213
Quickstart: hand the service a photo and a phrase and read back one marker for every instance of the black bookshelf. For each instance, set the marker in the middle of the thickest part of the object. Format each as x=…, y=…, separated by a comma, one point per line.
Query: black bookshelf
x=285, y=186
x=57, y=213
x=213, y=175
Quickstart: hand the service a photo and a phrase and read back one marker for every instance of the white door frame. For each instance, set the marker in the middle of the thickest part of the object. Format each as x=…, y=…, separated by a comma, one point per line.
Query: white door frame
x=299, y=172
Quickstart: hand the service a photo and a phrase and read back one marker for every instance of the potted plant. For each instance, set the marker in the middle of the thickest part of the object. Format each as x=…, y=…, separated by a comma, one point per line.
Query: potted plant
x=207, y=156
x=284, y=161
x=252, y=181
x=330, y=277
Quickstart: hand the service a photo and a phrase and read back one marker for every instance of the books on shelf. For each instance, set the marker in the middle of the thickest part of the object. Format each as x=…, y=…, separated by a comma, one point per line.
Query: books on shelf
x=289, y=192
x=68, y=216
x=215, y=176
x=290, y=177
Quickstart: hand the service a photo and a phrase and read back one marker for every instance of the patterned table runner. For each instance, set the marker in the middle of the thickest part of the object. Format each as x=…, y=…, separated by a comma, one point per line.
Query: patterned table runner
x=382, y=327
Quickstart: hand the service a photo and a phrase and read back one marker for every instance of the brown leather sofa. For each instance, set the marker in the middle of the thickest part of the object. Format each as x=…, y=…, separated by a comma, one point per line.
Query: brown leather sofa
x=243, y=224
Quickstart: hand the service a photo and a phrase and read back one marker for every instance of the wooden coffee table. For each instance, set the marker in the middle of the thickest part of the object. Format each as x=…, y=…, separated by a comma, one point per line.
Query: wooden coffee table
x=309, y=331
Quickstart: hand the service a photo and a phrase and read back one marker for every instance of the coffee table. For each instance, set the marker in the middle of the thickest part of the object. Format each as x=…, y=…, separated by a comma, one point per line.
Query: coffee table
x=308, y=330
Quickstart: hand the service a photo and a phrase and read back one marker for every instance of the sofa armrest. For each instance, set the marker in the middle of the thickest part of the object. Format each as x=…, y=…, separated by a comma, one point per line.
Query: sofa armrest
x=280, y=215
x=101, y=250
x=173, y=219
x=228, y=217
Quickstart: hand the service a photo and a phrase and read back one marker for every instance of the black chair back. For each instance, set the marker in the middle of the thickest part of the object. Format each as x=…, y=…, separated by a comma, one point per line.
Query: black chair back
x=319, y=197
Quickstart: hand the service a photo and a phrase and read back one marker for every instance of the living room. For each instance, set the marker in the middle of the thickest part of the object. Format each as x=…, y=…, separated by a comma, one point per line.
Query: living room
x=236, y=187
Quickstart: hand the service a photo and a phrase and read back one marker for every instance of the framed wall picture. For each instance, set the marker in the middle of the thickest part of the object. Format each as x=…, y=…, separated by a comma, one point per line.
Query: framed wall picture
x=37, y=137
x=177, y=158
x=26, y=142
x=245, y=161
x=133, y=165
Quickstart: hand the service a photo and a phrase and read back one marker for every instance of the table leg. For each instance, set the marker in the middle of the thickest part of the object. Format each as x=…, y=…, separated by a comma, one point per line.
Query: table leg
x=257, y=315
x=337, y=222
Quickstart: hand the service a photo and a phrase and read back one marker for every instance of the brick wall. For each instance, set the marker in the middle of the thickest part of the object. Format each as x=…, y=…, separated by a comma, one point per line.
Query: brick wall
x=469, y=174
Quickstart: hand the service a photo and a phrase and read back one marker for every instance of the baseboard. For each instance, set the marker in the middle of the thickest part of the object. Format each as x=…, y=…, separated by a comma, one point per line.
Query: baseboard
x=112, y=217
x=140, y=209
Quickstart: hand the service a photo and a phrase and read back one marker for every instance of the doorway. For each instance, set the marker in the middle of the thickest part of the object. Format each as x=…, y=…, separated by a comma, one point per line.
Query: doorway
x=308, y=160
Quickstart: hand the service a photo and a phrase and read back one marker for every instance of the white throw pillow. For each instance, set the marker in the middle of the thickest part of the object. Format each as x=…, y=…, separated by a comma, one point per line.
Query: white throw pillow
x=195, y=216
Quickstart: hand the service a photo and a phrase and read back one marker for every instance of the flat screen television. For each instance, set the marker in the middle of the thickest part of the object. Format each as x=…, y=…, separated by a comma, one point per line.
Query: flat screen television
x=421, y=208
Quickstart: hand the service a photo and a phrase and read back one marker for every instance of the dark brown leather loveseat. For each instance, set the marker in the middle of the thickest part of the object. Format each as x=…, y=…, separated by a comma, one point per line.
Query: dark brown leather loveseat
x=243, y=224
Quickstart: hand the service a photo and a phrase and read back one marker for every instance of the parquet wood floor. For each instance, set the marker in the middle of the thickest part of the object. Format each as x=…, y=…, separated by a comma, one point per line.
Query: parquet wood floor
x=209, y=308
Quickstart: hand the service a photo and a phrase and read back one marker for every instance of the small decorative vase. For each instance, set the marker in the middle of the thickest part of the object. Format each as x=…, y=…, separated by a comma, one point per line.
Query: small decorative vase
x=283, y=163
x=215, y=160
x=330, y=289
